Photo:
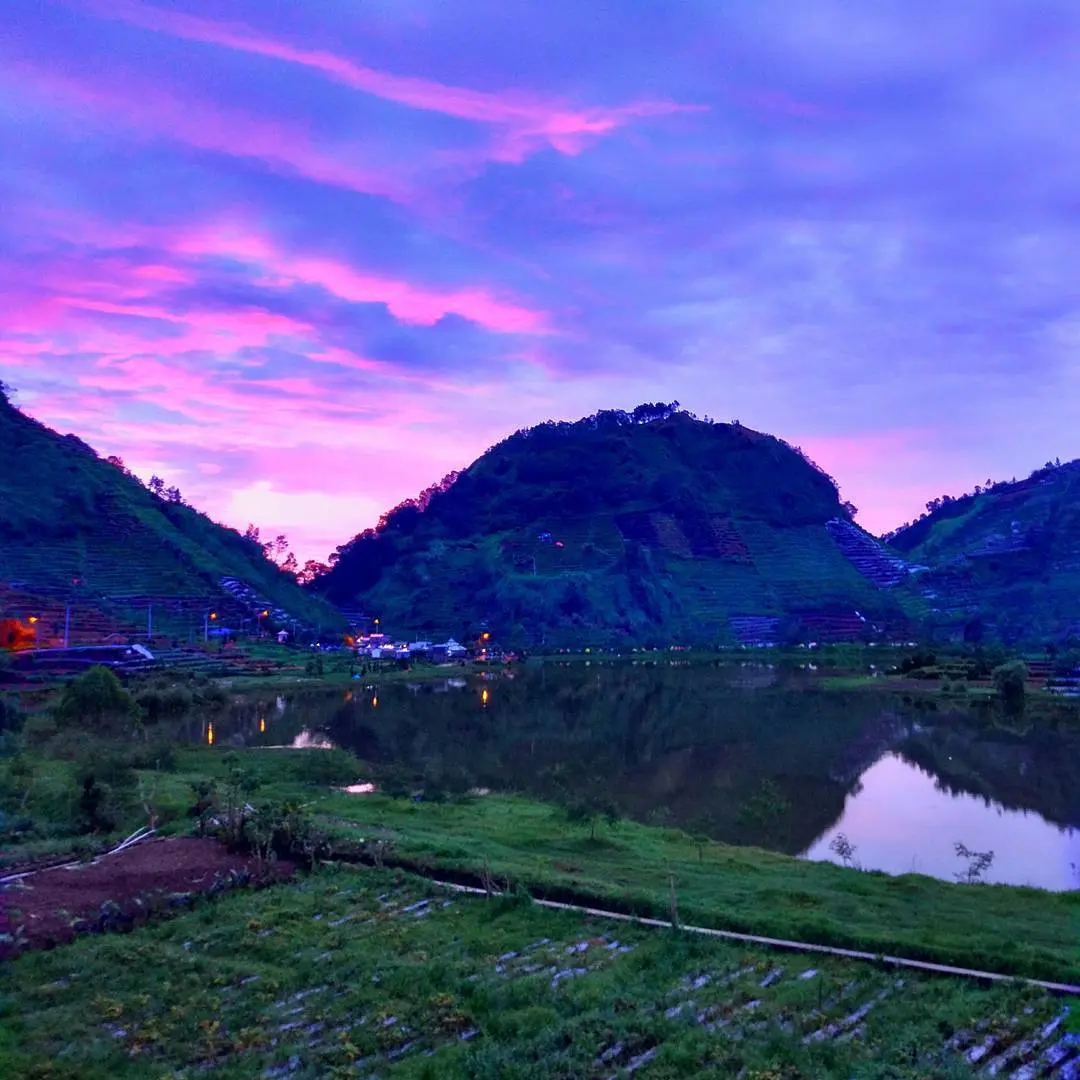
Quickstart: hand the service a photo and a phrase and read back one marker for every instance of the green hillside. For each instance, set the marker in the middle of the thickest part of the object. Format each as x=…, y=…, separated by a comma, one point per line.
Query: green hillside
x=643, y=527
x=80, y=532
x=1004, y=562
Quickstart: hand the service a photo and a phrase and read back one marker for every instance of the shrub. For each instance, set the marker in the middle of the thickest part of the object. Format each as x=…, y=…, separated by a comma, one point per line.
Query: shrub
x=1010, y=679
x=159, y=703
x=334, y=766
x=11, y=717
x=97, y=701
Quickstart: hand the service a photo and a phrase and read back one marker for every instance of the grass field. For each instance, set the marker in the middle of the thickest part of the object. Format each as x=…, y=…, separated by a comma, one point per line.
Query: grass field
x=364, y=973
x=996, y=928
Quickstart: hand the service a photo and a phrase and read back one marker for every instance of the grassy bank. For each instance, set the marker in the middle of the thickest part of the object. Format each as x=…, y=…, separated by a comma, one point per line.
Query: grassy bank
x=995, y=928
x=364, y=973
x=630, y=866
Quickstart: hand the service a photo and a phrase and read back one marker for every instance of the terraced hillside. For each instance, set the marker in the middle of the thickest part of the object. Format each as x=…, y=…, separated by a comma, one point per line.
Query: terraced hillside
x=1003, y=563
x=372, y=974
x=641, y=527
x=83, y=545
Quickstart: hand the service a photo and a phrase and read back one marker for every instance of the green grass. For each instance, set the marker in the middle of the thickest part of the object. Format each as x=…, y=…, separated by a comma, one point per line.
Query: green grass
x=335, y=976
x=996, y=928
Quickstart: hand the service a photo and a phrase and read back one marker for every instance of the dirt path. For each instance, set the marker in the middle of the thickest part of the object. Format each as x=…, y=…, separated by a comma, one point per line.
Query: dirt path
x=51, y=906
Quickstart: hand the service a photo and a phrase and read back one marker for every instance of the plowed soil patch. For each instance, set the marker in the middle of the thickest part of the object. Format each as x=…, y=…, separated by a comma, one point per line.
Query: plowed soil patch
x=48, y=905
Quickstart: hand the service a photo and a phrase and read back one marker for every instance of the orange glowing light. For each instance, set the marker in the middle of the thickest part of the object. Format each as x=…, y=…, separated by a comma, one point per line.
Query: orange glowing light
x=375, y=702
x=213, y=615
x=15, y=635
x=485, y=636
x=262, y=725
x=209, y=734
x=484, y=695
x=262, y=614
x=33, y=619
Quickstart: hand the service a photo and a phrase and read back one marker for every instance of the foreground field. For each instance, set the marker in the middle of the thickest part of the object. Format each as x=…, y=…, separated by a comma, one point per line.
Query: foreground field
x=366, y=972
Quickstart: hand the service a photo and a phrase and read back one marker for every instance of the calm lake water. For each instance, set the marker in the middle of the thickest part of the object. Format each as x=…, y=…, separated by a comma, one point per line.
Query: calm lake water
x=746, y=754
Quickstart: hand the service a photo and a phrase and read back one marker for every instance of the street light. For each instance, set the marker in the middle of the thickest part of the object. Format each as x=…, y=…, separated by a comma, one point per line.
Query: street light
x=258, y=621
x=208, y=618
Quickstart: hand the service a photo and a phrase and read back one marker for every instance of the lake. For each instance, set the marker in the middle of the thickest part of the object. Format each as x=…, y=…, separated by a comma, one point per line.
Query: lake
x=746, y=754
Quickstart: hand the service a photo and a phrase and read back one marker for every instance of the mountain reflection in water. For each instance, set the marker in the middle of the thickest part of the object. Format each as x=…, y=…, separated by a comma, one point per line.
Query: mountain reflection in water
x=747, y=754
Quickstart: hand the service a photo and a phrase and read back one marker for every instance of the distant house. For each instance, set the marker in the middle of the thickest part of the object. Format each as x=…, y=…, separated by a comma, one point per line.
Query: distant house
x=448, y=650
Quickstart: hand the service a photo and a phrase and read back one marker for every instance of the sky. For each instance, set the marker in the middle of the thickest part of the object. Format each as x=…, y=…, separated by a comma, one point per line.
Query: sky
x=303, y=259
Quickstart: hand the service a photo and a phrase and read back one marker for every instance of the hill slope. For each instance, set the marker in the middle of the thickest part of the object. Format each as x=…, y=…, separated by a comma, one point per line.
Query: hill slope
x=77, y=530
x=624, y=528
x=1004, y=563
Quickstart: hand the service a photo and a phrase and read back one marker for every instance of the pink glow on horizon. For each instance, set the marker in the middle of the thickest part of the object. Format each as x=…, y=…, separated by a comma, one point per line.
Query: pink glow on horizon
x=889, y=475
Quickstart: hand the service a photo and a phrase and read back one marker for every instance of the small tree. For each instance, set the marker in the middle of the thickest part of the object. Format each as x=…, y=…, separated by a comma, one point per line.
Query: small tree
x=978, y=863
x=97, y=702
x=1010, y=679
x=590, y=809
x=842, y=847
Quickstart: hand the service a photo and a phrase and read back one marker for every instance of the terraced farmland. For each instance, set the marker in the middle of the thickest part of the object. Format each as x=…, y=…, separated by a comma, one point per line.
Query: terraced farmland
x=366, y=973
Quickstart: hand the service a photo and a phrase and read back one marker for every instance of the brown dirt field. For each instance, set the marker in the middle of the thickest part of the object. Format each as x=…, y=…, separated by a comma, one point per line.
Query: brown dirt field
x=51, y=906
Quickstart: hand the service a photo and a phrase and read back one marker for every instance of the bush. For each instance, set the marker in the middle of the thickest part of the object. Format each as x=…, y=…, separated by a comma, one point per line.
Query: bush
x=210, y=695
x=327, y=766
x=104, y=789
x=11, y=717
x=159, y=703
x=1010, y=679
x=396, y=781
x=96, y=701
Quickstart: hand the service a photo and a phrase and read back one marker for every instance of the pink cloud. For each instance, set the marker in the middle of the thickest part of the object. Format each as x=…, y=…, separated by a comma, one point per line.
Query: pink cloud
x=147, y=108
x=407, y=302
x=528, y=122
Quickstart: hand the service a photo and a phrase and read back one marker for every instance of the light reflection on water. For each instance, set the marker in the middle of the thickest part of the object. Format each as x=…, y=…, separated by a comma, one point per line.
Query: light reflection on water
x=901, y=821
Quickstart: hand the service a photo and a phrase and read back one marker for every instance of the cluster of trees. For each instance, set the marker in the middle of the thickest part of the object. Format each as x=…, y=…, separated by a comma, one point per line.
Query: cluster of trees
x=960, y=503
x=169, y=494
x=277, y=551
x=155, y=484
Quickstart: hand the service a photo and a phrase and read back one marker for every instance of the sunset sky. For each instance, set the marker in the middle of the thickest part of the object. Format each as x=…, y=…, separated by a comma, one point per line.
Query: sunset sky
x=301, y=259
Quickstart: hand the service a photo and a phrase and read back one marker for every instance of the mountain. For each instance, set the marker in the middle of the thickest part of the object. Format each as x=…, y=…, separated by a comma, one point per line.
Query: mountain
x=626, y=528
x=81, y=534
x=1003, y=562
